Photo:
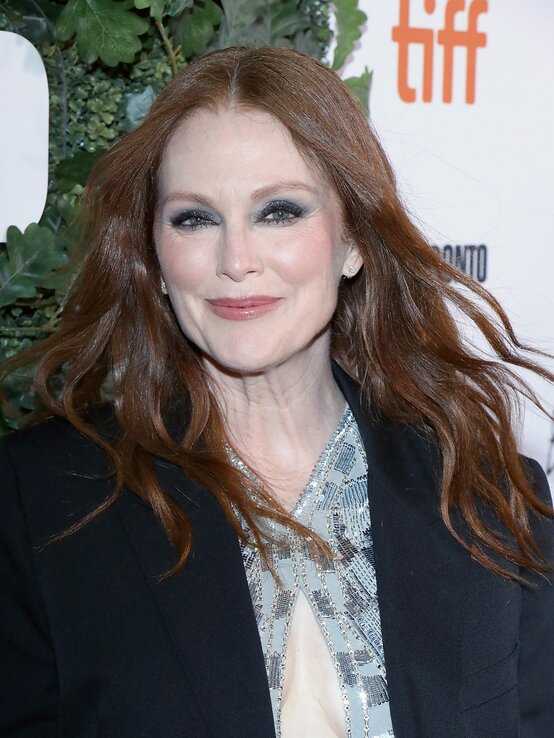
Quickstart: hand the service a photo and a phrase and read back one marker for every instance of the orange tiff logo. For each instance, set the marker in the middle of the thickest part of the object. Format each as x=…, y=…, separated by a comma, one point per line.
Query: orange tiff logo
x=448, y=37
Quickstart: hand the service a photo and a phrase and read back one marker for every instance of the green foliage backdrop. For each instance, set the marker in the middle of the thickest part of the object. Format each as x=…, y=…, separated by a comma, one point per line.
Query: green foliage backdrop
x=106, y=60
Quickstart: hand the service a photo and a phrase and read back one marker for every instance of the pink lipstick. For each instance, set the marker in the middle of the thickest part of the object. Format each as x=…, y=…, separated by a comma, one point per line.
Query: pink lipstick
x=243, y=308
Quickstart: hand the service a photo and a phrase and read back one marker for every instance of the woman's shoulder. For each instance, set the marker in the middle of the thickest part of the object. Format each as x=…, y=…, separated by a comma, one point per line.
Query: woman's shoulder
x=53, y=471
x=540, y=480
x=52, y=438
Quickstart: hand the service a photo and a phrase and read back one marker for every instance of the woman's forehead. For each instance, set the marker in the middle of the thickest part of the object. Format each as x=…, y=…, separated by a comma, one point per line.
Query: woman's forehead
x=238, y=144
x=230, y=130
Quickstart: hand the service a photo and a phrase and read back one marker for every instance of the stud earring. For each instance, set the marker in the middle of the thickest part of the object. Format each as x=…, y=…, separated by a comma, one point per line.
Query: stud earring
x=163, y=286
x=352, y=269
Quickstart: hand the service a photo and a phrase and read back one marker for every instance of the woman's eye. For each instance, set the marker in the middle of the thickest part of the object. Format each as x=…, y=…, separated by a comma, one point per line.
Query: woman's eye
x=189, y=220
x=286, y=212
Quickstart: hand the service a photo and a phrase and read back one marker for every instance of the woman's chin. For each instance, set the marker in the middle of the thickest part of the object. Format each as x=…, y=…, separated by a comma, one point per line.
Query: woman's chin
x=241, y=365
x=243, y=362
x=260, y=356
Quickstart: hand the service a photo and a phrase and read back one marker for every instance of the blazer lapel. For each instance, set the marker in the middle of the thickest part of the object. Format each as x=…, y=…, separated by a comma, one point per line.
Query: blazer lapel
x=207, y=609
x=421, y=572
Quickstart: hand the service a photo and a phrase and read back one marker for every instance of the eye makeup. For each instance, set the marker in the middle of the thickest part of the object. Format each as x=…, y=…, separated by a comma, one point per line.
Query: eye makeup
x=295, y=211
x=178, y=221
x=282, y=206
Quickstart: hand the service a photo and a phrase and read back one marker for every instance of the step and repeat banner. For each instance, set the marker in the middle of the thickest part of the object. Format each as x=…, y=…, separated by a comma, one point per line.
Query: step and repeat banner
x=462, y=100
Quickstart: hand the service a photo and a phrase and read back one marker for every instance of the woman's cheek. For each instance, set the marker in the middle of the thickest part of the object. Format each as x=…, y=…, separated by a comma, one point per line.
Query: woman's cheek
x=185, y=264
x=305, y=260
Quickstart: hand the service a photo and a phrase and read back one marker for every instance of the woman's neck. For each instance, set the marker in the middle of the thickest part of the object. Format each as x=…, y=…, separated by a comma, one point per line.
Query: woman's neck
x=280, y=420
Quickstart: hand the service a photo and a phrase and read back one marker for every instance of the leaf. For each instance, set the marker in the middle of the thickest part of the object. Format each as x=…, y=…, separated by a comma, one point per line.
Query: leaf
x=64, y=208
x=157, y=7
x=177, y=6
x=285, y=20
x=59, y=281
x=349, y=20
x=33, y=21
x=29, y=257
x=76, y=169
x=50, y=10
x=193, y=30
x=239, y=22
x=307, y=43
x=104, y=29
x=212, y=11
x=137, y=105
x=360, y=86
x=21, y=395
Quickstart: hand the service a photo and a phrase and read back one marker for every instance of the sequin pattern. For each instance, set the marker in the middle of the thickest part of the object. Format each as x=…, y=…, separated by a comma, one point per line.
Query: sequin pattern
x=342, y=593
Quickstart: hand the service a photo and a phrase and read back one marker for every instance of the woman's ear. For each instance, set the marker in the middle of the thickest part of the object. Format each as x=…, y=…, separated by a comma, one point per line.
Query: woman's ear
x=353, y=261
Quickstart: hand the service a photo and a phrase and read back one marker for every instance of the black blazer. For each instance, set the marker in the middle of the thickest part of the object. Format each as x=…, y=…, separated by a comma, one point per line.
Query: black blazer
x=92, y=645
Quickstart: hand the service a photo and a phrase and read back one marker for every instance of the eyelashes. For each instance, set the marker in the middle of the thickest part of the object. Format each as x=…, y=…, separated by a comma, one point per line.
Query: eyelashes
x=201, y=219
x=282, y=206
x=179, y=221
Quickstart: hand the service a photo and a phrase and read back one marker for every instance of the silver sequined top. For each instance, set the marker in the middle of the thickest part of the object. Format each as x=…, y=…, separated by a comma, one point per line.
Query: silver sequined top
x=342, y=593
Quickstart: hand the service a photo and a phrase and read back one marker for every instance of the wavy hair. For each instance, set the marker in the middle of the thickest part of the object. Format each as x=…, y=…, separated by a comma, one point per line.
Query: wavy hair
x=393, y=330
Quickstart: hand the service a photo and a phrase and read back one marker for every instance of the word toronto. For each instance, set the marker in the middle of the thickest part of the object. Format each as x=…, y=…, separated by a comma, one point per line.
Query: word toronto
x=470, y=258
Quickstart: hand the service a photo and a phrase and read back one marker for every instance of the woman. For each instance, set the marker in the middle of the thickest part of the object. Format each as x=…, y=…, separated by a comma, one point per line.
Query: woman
x=296, y=427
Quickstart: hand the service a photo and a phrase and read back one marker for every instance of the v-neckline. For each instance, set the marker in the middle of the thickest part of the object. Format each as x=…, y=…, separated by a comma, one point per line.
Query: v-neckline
x=321, y=463
x=317, y=469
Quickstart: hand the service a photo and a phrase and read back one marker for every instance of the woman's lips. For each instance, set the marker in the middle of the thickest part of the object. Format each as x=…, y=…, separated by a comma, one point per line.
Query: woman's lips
x=243, y=308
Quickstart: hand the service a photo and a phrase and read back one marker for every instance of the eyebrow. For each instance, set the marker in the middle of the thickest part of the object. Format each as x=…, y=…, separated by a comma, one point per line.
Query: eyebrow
x=258, y=194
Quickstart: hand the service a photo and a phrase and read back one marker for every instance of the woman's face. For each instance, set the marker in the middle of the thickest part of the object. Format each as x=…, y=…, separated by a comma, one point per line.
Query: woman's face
x=249, y=241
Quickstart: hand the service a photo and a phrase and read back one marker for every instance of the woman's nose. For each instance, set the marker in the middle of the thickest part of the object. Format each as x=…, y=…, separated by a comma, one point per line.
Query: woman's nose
x=239, y=254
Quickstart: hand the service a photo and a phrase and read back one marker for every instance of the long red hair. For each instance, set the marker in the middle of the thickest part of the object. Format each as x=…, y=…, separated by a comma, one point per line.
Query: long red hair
x=393, y=330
